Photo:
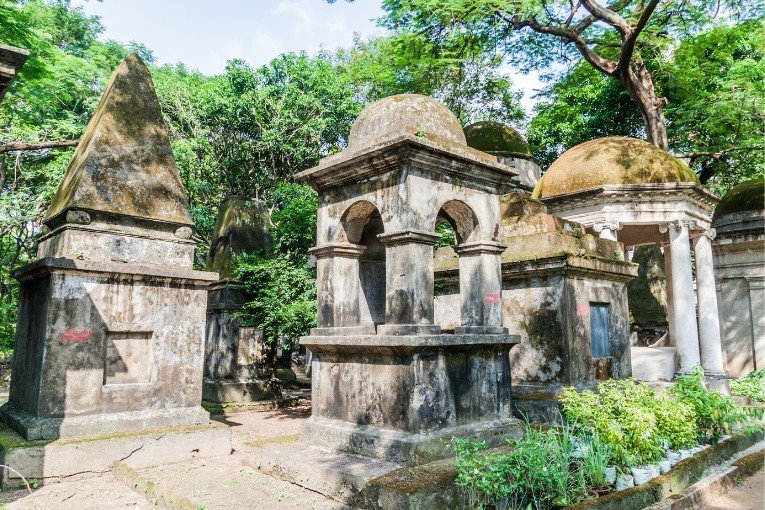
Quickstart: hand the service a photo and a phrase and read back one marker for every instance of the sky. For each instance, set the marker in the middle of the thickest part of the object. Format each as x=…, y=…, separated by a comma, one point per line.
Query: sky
x=205, y=34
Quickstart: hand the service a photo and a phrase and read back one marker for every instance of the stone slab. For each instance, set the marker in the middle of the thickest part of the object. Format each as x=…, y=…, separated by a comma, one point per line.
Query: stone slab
x=43, y=460
x=402, y=447
x=653, y=363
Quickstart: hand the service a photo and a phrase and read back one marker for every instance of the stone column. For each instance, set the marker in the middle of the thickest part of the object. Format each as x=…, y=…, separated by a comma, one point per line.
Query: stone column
x=683, y=303
x=337, y=289
x=670, y=304
x=709, y=320
x=607, y=229
x=481, y=287
x=409, y=283
x=757, y=303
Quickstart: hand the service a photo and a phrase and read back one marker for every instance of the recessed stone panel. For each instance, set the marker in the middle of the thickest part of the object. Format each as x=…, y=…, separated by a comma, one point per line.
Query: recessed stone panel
x=128, y=357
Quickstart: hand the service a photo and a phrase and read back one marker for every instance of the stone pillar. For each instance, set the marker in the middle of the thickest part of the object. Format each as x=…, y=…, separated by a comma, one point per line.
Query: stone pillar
x=757, y=303
x=670, y=304
x=709, y=321
x=480, y=267
x=683, y=302
x=338, y=290
x=607, y=229
x=409, y=282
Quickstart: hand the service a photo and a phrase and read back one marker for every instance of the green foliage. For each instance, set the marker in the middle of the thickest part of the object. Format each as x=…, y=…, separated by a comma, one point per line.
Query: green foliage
x=284, y=297
x=294, y=219
x=448, y=235
x=752, y=386
x=715, y=414
x=632, y=419
x=543, y=469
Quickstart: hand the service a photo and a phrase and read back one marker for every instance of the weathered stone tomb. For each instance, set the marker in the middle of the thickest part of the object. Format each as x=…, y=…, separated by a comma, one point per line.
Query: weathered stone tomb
x=236, y=367
x=111, y=322
x=739, y=259
x=386, y=381
x=563, y=294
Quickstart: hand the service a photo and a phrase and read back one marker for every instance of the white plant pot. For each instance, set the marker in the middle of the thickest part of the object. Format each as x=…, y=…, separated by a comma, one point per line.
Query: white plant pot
x=725, y=437
x=684, y=454
x=580, y=451
x=673, y=457
x=610, y=474
x=664, y=466
x=624, y=481
x=642, y=474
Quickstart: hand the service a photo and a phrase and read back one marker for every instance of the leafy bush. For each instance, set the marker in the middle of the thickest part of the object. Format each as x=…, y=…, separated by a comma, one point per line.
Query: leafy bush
x=752, y=386
x=632, y=419
x=284, y=304
x=543, y=469
x=716, y=414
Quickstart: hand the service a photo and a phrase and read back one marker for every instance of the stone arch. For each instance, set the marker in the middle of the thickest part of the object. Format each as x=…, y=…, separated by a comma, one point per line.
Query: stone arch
x=361, y=224
x=462, y=219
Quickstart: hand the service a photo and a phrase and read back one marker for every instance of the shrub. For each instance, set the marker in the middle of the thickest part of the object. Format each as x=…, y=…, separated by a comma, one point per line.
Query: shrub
x=716, y=414
x=752, y=386
x=632, y=419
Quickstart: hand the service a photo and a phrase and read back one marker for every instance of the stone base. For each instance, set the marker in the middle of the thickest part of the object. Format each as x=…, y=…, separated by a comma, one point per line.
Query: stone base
x=35, y=428
x=364, y=329
x=408, y=329
x=43, y=460
x=241, y=391
x=401, y=447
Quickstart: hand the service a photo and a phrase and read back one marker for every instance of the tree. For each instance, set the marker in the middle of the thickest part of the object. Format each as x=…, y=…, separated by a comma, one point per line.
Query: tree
x=615, y=39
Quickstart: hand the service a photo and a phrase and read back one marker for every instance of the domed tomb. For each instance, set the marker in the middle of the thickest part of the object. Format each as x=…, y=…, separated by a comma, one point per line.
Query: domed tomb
x=496, y=138
x=403, y=114
x=611, y=160
x=746, y=196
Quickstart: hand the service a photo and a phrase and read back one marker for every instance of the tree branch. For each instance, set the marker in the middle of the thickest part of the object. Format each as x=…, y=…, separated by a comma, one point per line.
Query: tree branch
x=628, y=45
x=23, y=146
x=720, y=153
x=607, y=15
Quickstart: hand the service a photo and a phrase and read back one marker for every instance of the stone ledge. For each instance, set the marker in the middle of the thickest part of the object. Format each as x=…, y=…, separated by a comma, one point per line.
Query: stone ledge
x=371, y=342
x=49, y=265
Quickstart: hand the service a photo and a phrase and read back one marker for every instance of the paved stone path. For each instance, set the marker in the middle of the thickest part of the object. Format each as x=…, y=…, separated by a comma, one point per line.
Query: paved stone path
x=748, y=496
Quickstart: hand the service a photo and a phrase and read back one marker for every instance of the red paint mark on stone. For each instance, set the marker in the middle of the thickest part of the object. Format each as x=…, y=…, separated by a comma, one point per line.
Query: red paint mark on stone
x=77, y=335
x=492, y=298
x=582, y=310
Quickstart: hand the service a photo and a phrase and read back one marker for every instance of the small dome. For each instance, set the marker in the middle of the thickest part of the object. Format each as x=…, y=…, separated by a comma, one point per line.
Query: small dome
x=611, y=160
x=402, y=114
x=496, y=138
x=747, y=196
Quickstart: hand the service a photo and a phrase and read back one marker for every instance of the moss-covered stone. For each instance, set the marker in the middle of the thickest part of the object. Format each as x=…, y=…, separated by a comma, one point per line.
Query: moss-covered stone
x=124, y=163
x=496, y=138
x=612, y=160
x=241, y=227
x=647, y=293
x=747, y=196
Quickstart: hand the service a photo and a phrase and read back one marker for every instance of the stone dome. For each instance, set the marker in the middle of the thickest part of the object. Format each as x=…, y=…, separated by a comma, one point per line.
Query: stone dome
x=747, y=196
x=412, y=114
x=496, y=138
x=611, y=160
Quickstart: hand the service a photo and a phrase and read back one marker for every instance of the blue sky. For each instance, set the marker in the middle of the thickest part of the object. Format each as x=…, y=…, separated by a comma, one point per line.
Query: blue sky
x=206, y=34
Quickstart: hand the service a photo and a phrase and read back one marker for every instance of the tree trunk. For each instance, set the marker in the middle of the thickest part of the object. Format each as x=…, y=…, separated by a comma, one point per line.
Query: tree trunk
x=639, y=84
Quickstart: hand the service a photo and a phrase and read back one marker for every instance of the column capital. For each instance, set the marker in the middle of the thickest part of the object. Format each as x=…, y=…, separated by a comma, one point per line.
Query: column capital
x=346, y=250
x=409, y=236
x=677, y=225
x=612, y=225
x=477, y=247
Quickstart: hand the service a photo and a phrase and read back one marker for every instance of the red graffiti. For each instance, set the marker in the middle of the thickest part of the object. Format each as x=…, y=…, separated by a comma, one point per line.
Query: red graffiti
x=582, y=310
x=492, y=298
x=77, y=335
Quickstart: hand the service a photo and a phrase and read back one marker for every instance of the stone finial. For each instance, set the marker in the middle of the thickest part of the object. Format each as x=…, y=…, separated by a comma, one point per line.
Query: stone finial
x=124, y=163
x=242, y=227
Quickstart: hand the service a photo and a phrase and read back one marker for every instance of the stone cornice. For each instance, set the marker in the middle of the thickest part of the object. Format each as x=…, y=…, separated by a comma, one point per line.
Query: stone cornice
x=472, y=168
x=628, y=193
x=478, y=247
x=409, y=236
x=50, y=265
x=347, y=250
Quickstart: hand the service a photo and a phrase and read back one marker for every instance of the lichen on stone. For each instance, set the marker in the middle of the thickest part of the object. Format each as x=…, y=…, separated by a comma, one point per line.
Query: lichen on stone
x=496, y=138
x=746, y=196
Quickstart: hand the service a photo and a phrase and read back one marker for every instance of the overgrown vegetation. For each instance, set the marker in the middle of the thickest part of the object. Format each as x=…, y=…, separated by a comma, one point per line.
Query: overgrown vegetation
x=624, y=424
x=752, y=386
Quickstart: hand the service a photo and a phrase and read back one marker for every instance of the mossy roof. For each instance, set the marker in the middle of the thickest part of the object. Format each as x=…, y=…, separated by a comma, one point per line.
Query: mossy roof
x=611, y=160
x=746, y=196
x=124, y=163
x=495, y=137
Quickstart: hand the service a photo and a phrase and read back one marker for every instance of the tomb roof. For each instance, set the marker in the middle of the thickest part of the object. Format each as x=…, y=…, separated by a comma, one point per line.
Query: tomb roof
x=496, y=138
x=746, y=196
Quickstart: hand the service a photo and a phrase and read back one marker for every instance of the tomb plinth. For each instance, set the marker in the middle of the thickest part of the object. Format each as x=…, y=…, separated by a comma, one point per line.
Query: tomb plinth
x=236, y=357
x=111, y=321
x=386, y=381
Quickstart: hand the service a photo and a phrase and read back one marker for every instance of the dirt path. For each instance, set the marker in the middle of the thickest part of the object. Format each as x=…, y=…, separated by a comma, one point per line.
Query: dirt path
x=748, y=496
